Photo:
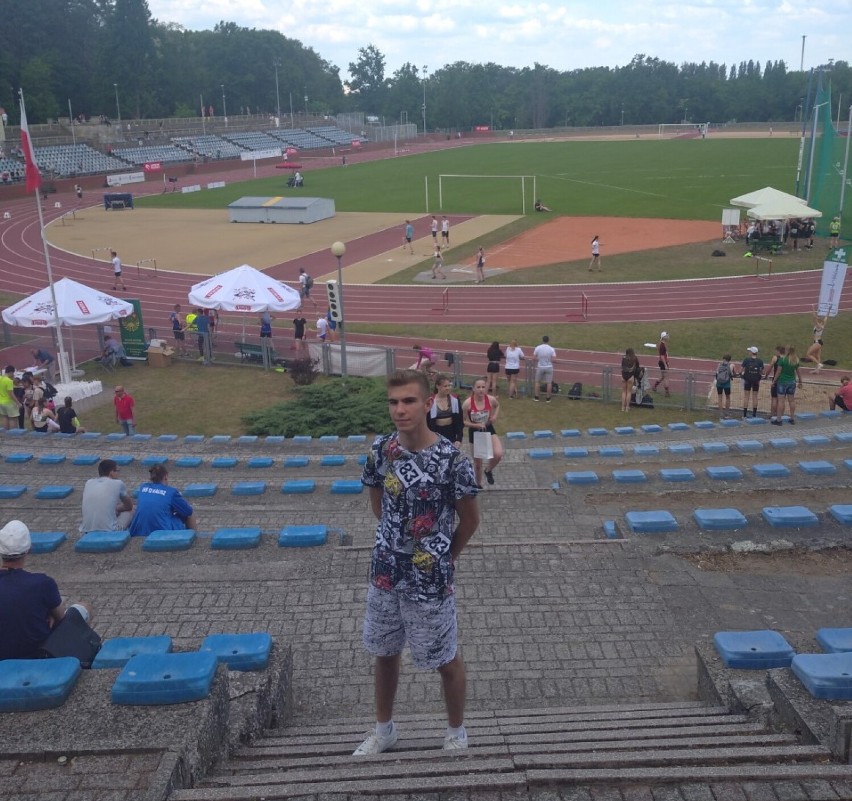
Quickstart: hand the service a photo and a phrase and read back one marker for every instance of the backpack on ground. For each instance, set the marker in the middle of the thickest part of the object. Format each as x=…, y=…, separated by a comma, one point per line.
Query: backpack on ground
x=752, y=372
x=309, y=282
x=576, y=391
x=723, y=373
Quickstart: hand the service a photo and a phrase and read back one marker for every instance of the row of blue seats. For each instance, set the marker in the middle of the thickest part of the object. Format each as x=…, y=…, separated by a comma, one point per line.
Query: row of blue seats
x=817, y=467
x=216, y=439
x=222, y=462
x=222, y=539
x=660, y=521
x=826, y=676
x=55, y=492
x=151, y=673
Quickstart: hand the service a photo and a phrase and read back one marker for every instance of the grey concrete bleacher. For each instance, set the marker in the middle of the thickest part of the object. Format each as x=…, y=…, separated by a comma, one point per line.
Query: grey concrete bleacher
x=80, y=159
x=333, y=134
x=150, y=153
x=253, y=140
x=298, y=138
x=210, y=146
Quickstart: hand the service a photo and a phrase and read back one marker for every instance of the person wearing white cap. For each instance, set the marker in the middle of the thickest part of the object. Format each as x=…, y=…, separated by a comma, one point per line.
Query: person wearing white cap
x=663, y=363
x=751, y=371
x=30, y=603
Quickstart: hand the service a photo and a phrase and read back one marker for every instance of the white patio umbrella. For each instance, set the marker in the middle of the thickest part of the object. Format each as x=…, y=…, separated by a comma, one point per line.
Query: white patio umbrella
x=766, y=195
x=76, y=304
x=244, y=289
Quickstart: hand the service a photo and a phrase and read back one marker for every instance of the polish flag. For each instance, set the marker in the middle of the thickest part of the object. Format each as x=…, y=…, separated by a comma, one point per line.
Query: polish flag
x=32, y=172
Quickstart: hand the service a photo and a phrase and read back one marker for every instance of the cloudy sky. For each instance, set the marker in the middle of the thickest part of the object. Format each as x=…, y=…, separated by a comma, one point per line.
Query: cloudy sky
x=565, y=35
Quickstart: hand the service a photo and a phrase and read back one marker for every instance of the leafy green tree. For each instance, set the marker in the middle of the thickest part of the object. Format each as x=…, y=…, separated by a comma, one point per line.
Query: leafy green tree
x=368, y=87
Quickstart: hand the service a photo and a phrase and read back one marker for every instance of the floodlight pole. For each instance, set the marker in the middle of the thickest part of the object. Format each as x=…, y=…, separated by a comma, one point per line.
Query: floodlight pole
x=117, y=106
x=338, y=249
x=277, y=64
x=224, y=107
x=424, y=100
x=813, y=148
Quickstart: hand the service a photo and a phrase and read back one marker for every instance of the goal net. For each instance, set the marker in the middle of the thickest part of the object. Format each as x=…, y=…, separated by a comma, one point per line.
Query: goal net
x=487, y=194
x=683, y=130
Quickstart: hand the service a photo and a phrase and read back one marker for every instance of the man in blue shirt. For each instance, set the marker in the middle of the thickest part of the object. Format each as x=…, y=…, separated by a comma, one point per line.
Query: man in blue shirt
x=160, y=507
x=30, y=603
x=44, y=360
x=202, y=324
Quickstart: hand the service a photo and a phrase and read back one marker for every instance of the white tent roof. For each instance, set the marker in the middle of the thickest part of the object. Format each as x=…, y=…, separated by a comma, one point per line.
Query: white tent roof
x=244, y=289
x=76, y=304
x=786, y=210
x=765, y=195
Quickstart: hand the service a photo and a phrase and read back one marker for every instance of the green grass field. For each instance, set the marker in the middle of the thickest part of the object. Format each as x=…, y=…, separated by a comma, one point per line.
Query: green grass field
x=680, y=179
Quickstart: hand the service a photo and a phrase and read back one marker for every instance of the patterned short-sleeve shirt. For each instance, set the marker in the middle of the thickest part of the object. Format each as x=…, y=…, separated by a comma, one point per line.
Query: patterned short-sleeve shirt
x=415, y=532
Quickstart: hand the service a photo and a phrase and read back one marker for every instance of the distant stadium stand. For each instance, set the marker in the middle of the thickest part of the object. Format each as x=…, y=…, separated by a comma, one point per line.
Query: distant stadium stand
x=67, y=160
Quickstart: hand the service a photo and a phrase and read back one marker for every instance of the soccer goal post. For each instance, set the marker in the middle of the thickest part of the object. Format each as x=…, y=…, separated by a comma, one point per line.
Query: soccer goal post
x=516, y=186
x=682, y=130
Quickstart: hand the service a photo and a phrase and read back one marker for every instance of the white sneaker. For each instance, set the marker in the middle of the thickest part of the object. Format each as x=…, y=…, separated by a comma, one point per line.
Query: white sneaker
x=455, y=743
x=374, y=744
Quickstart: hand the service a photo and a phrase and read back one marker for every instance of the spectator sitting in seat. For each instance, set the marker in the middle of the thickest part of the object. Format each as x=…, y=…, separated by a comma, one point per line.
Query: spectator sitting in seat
x=539, y=206
x=160, y=507
x=67, y=418
x=107, y=506
x=30, y=603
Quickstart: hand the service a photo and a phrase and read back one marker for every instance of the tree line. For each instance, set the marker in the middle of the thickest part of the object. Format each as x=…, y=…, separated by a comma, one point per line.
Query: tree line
x=111, y=58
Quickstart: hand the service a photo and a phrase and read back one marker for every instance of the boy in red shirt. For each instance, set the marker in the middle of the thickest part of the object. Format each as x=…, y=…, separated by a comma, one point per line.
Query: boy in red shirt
x=124, y=405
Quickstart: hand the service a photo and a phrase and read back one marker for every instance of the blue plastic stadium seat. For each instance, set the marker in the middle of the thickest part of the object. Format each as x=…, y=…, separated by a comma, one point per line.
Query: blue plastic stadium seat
x=228, y=539
x=303, y=487
x=194, y=438
x=167, y=540
x=188, y=461
x=598, y=432
x=116, y=652
x=167, y=438
x=332, y=460
x=806, y=416
x=302, y=536
x=724, y=473
x=842, y=513
x=9, y=491
x=789, y=516
x=140, y=437
x=848, y=463
x=246, y=439
x=302, y=439
x=297, y=461
x=54, y=492
x=357, y=438
x=515, y=435
x=825, y=676
x=677, y=474
x=274, y=439
x=755, y=421
x=681, y=449
x=200, y=490
x=27, y=685
x=102, y=541
x=18, y=458
x=540, y=453
x=154, y=679
x=329, y=438
x=843, y=436
x=123, y=459
x=90, y=435
x=570, y=432
x=835, y=641
x=154, y=459
x=783, y=442
x=678, y=427
x=85, y=459
x=581, y=477
x=753, y=650
x=646, y=450
x=749, y=445
x=714, y=447
x=720, y=519
x=652, y=428
x=652, y=522
x=575, y=453
x=224, y=462
x=361, y=459
x=729, y=422
x=611, y=452
x=46, y=541
x=51, y=458
x=820, y=467
x=258, y=462
x=248, y=488
x=542, y=433
x=115, y=437
x=771, y=470
x=15, y=432
x=624, y=430
x=704, y=424
x=629, y=476
x=610, y=528
x=239, y=651
x=220, y=439
x=346, y=487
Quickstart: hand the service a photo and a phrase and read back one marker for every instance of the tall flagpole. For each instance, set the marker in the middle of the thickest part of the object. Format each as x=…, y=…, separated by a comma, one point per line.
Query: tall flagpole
x=33, y=178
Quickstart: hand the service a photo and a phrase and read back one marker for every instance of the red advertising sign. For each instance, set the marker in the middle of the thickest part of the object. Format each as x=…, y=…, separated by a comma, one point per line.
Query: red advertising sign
x=291, y=151
x=213, y=291
x=356, y=143
x=81, y=305
x=482, y=128
x=152, y=166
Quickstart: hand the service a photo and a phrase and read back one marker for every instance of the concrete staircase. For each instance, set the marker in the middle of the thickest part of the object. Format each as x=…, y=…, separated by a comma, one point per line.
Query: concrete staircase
x=525, y=752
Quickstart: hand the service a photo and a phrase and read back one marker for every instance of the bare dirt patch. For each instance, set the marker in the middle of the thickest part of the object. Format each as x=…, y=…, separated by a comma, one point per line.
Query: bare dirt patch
x=800, y=563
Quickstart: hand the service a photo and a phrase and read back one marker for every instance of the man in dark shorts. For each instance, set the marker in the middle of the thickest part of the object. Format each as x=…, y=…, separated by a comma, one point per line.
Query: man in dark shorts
x=771, y=370
x=663, y=363
x=419, y=483
x=178, y=330
x=300, y=327
x=751, y=371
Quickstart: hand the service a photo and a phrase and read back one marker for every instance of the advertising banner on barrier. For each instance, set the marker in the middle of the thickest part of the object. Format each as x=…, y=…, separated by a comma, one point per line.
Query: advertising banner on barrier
x=833, y=277
x=258, y=155
x=152, y=166
x=126, y=178
x=133, y=332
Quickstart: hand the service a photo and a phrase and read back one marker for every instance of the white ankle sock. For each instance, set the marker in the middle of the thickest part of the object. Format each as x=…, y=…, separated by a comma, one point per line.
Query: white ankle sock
x=384, y=729
x=457, y=732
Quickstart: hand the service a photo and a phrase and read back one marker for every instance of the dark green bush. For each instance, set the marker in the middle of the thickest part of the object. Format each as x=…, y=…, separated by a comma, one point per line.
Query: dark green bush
x=357, y=407
x=303, y=371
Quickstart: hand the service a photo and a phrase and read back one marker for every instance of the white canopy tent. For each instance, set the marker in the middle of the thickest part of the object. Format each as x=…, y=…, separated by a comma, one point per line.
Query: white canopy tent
x=244, y=289
x=766, y=195
x=76, y=304
x=783, y=210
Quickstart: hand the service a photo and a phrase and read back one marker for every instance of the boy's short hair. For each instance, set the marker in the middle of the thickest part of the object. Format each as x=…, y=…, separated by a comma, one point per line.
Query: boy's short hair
x=400, y=378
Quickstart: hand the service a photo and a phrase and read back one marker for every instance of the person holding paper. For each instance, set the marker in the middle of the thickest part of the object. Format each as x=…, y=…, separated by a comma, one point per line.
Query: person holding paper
x=480, y=412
